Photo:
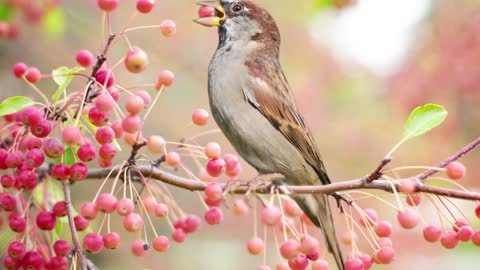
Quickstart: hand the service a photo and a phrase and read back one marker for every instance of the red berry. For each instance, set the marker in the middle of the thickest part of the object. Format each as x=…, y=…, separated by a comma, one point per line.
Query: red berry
x=104, y=135
x=80, y=223
x=111, y=240
x=309, y=244
x=161, y=244
x=16, y=250
x=414, y=199
x=385, y=242
x=60, y=171
x=7, y=181
x=62, y=248
x=107, y=151
x=105, y=77
x=133, y=222
x=139, y=248
x=71, y=135
x=106, y=203
x=459, y=223
x=131, y=123
x=371, y=217
x=104, y=102
x=30, y=116
x=298, y=263
x=85, y=58
x=19, y=69
x=192, y=224
x=290, y=249
x=41, y=129
x=117, y=128
x=97, y=117
x=145, y=96
x=34, y=158
x=476, y=238
x=33, y=75
x=60, y=209
x=200, y=117
x=477, y=211
x=13, y=160
x=57, y=263
x=89, y=211
x=34, y=143
x=465, y=233
x=213, y=216
x=284, y=266
x=107, y=5
x=53, y=148
x=206, y=11
x=27, y=180
x=408, y=218
x=134, y=104
x=385, y=255
x=8, y=202
x=320, y=265
x=93, y=243
x=456, y=170
x=407, y=185
x=17, y=223
x=86, y=152
x=215, y=166
x=136, y=60
x=383, y=228
x=354, y=264
x=255, y=246
x=33, y=261
x=179, y=235
x=161, y=210
x=449, y=240
x=145, y=6
x=165, y=78
x=367, y=261
x=213, y=191
x=78, y=171
x=46, y=220
x=125, y=206
x=271, y=215
x=432, y=233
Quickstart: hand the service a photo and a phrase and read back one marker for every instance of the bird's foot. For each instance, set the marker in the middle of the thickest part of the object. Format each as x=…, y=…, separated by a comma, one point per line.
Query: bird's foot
x=263, y=182
x=339, y=198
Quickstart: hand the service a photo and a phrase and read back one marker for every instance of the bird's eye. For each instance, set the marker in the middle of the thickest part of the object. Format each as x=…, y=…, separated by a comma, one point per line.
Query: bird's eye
x=237, y=8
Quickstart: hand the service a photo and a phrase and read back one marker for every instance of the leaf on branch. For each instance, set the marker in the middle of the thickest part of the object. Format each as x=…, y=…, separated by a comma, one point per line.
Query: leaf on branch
x=6, y=12
x=14, y=104
x=54, y=22
x=423, y=119
x=62, y=77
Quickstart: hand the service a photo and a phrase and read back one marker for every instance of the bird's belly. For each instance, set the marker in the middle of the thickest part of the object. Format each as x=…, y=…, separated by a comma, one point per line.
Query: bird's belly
x=256, y=140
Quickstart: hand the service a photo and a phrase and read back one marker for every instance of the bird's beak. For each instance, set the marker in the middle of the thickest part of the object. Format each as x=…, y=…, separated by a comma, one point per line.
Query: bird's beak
x=213, y=20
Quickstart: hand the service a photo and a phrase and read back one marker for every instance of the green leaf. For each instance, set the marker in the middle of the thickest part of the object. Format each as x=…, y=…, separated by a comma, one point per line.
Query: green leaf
x=320, y=5
x=6, y=12
x=14, y=104
x=423, y=119
x=54, y=22
x=68, y=156
x=62, y=77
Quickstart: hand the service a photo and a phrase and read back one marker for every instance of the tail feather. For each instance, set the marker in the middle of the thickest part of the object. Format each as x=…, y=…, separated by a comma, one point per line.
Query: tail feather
x=318, y=210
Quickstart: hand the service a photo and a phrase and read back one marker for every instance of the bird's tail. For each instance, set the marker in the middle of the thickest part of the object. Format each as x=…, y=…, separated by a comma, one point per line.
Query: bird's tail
x=317, y=208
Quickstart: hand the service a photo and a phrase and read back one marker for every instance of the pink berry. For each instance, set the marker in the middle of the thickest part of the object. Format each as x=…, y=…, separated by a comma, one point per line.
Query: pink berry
x=192, y=224
x=106, y=203
x=13, y=159
x=71, y=135
x=161, y=244
x=57, y=263
x=476, y=238
x=81, y=223
x=165, y=79
x=432, y=233
x=213, y=191
x=19, y=69
x=133, y=222
x=89, y=211
x=30, y=116
x=212, y=150
x=449, y=240
x=145, y=6
x=240, y=207
x=206, y=11
x=155, y=144
x=17, y=223
x=200, y=117
x=477, y=211
x=385, y=255
x=111, y=240
x=8, y=202
x=46, y=220
x=87, y=152
x=407, y=185
x=172, y=158
x=371, y=217
x=62, y=248
x=149, y=202
x=131, y=123
x=147, y=99
x=104, y=102
x=33, y=261
x=385, y=242
x=117, y=128
x=271, y=215
x=34, y=143
x=136, y=60
x=414, y=199
x=213, y=203
x=383, y=228
x=354, y=264
x=60, y=171
x=104, y=135
x=408, y=218
x=93, y=243
x=33, y=75
x=53, y=148
x=78, y=172
x=139, y=248
x=16, y=250
x=255, y=246
x=105, y=77
x=456, y=170
x=215, y=166
x=107, y=152
x=179, y=235
x=85, y=58
x=349, y=237
x=161, y=210
x=27, y=180
x=168, y=28
x=107, y=5
x=465, y=233
x=290, y=249
x=264, y=267
x=97, y=117
x=213, y=216
x=320, y=265
x=309, y=244
x=125, y=206
x=284, y=266
x=367, y=261
x=134, y=104
x=60, y=209
x=459, y=223
x=7, y=181
x=298, y=263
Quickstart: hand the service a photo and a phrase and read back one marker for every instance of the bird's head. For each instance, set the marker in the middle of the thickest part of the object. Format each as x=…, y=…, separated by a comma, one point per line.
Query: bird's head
x=241, y=20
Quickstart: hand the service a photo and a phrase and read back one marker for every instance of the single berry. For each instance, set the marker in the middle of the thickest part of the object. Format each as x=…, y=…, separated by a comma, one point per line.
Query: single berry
x=111, y=240
x=290, y=249
x=213, y=191
x=212, y=150
x=131, y=123
x=16, y=250
x=105, y=76
x=60, y=209
x=60, y=171
x=125, y=206
x=140, y=248
x=19, y=69
x=240, y=207
x=369, y=218
x=62, y=248
x=85, y=58
x=215, y=166
x=383, y=228
x=213, y=216
x=46, y=220
x=145, y=6
x=33, y=261
x=179, y=235
x=93, y=243
x=78, y=171
x=155, y=144
x=298, y=263
x=33, y=75
x=432, y=233
x=408, y=218
x=255, y=246
x=134, y=104
x=206, y=11
x=271, y=215
x=133, y=222
x=385, y=255
x=320, y=265
x=168, y=28
x=172, y=158
x=136, y=60
x=161, y=243
x=161, y=210
x=87, y=152
x=107, y=5
x=80, y=223
x=106, y=203
x=449, y=240
x=53, y=148
x=354, y=264
x=200, y=117
x=456, y=170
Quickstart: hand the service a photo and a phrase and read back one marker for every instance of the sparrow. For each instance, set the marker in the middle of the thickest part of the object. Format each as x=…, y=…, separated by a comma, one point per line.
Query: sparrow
x=253, y=104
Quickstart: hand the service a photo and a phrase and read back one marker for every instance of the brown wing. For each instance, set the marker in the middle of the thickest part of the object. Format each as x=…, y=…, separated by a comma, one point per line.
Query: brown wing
x=270, y=94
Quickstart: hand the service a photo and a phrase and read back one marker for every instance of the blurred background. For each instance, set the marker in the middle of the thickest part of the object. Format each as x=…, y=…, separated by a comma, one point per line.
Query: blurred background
x=357, y=70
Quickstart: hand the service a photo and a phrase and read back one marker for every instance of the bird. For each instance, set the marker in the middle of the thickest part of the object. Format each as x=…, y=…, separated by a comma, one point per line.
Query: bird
x=253, y=105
